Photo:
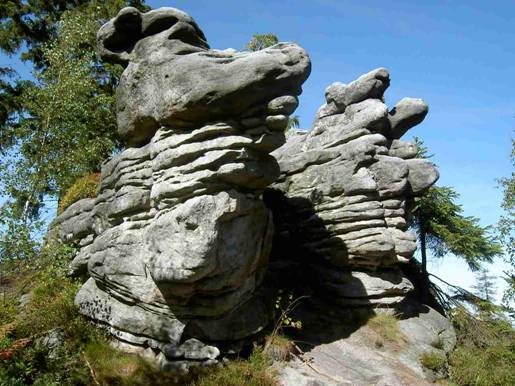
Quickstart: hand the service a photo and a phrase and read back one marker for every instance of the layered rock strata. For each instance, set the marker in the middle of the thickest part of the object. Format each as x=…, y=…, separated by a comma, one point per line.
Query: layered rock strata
x=340, y=203
x=175, y=245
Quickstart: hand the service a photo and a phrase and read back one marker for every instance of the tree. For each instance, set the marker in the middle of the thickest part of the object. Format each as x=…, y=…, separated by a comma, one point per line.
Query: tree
x=30, y=24
x=65, y=127
x=506, y=228
x=293, y=122
x=262, y=41
x=442, y=228
x=485, y=285
x=25, y=28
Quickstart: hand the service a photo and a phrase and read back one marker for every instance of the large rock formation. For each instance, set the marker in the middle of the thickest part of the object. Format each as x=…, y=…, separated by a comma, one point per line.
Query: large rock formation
x=340, y=212
x=340, y=202
x=175, y=247
x=177, y=241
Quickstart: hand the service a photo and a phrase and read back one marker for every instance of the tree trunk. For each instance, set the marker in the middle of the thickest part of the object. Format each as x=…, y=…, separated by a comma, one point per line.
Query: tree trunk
x=424, y=293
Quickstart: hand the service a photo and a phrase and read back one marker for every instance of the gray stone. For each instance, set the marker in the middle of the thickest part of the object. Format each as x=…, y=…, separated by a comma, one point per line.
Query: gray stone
x=162, y=84
x=277, y=122
x=195, y=349
x=76, y=222
x=340, y=199
x=25, y=299
x=362, y=357
x=402, y=149
x=283, y=105
x=175, y=245
x=52, y=341
x=371, y=85
x=406, y=114
x=422, y=174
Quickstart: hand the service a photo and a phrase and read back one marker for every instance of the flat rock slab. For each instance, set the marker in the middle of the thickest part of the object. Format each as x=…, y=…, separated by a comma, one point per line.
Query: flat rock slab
x=365, y=358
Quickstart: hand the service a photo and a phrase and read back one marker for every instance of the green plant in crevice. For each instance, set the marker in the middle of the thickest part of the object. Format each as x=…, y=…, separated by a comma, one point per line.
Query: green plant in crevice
x=433, y=360
x=83, y=187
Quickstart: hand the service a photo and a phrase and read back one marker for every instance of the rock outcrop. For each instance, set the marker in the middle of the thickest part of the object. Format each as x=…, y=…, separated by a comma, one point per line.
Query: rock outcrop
x=175, y=248
x=340, y=203
x=339, y=354
x=176, y=243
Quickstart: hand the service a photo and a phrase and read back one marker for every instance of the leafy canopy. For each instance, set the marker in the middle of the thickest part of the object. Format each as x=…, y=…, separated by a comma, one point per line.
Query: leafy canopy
x=64, y=127
x=27, y=25
x=440, y=219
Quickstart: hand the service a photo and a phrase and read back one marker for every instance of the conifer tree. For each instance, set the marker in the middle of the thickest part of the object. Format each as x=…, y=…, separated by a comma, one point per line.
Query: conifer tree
x=485, y=286
x=442, y=228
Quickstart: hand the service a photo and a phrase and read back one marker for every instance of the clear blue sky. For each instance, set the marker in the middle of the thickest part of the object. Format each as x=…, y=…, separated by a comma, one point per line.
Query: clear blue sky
x=457, y=55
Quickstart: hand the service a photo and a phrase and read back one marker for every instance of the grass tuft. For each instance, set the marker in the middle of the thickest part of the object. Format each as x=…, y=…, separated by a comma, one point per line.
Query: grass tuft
x=386, y=326
x=433, y=360
x=255, y=371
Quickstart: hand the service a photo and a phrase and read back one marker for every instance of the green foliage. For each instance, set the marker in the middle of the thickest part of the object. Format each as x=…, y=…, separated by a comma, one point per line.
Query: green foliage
x=252, y=372
x=442, y=227
x=386, y=326
x=64, y=125
x=485, y=351
x=279, y=348
x=110, y=366
x=50, y=307
x=262, y=41
x=84, y=187
x=440, y=220
x=25, y=28
x=86, y=356
x=283, y=307
x=293, y=122
x=433, y=360
x=506, y=228
x=28, y=25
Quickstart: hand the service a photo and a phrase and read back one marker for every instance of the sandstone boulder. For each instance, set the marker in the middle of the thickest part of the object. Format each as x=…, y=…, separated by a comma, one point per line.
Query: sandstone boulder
x=174, y=247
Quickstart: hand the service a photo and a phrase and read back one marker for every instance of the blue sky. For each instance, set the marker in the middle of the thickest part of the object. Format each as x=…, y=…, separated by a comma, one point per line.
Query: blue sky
x=457, y=55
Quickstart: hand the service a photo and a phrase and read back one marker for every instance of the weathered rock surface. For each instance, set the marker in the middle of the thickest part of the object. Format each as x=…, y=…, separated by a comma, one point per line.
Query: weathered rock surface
x=175, y=248
x=175, y=245
x=340, y=202
x=173, y=79
x=338, y=355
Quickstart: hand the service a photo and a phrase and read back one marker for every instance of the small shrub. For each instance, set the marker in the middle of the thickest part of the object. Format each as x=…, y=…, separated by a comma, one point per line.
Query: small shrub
x=84, y=187
x=386, y=326
x=110, y=366
x=493, y=366
x=433, y=360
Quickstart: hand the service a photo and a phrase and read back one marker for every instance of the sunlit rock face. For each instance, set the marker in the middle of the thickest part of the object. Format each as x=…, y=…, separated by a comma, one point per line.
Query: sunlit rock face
x=176, y=243
x=340, y=203
x=173, y=79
